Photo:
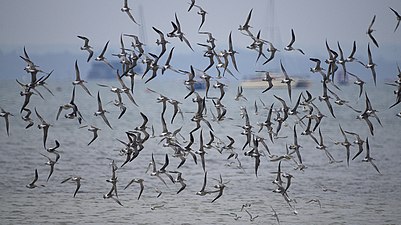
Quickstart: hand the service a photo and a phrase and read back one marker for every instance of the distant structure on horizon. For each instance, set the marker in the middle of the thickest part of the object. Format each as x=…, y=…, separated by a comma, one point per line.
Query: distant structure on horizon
x=102, y=71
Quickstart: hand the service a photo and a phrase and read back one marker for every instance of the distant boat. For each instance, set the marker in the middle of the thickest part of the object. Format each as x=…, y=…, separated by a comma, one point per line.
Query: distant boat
x=256, y=81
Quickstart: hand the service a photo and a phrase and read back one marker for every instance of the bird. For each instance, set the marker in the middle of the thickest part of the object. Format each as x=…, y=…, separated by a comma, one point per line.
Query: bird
x=190, y=82
x=272, y=51
x=206, y=77
x=351, y=57
x=368, y=158
x=221, y=87
x=101, y=57
x=257, y=45
x=50, y=163
x=178, y=33
x=125, y=89
x=100, y=111
x=239, y=94
x=156, y=172
x=191, y=5
x=177, y=109
x=211, y=40
x=254, y=153
x=340, y=101
x=275, y=215
x=180, y=180
x=346, y=144
x=162, y=41
x=140, y=182
x=325, y=97
x=202, y=192
x=27, y=118
x=111, y=195
x=71, y=105
x=287, y=80
x=202, y=13
x=232, y=52
x=236, y=216
x=94, y=130
x=289, y=46
x=251, y=218
x=114, y=179
x=127, y=10
x=32, y=184
x=209, y=53
x=342, y=60
x=221, y=185
x=370, y=65
x=370, y=31
x=315, y=200
x=43, y=125
x=358, y=82
x=76, y=179
x=119, y=102
x=268, y=79
x=202, y=151
x=358, y=141
x=268, y=124
x=295, y=146
x=167, y=64
x=398, y=17
x=369, y=111
x=163, y=170
x=78, y=80
x=86, y=47
x=246, y=26
x=153, y=207
x=137, y=44
x=6, y=115
x=42, y=82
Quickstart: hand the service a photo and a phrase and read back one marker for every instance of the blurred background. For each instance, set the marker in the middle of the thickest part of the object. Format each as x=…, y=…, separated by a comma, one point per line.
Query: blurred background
x=48, y=30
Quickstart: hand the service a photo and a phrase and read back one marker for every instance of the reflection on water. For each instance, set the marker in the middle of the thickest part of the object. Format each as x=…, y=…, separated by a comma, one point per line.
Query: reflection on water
x=348, y=195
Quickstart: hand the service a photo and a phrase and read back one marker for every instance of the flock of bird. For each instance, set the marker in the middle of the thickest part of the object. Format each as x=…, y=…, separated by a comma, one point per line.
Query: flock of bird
x=209, y=110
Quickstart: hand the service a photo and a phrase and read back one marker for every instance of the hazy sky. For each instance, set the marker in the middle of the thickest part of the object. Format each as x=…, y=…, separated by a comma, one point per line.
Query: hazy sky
x=51, y=26
x=48, y=25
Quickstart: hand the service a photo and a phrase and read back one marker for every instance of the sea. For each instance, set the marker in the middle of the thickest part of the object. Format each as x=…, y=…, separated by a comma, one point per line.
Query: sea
x=354, y=194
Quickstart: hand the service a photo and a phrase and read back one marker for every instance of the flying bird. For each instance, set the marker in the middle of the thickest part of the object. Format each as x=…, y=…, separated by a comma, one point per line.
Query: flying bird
x=370, y=65
x=289, y=46
x=358, y=82
x=86, y=47
x=79, y=81
x=101, y=57
x=370, y=31
x=94, y=130
x=127, y=10
x=246, y=25
x=6, y=115
x=368, y=158
x=32, y=184
x=76, y=179
x=43, y=125
x=162, y=41
x=100, y=111
x=50, y=163
x=287, y=80
x=398, y=18
x=140, y=182
x=202, y=13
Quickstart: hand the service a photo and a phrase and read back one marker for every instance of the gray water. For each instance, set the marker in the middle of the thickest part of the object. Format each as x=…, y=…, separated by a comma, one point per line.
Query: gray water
x=362, y=196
